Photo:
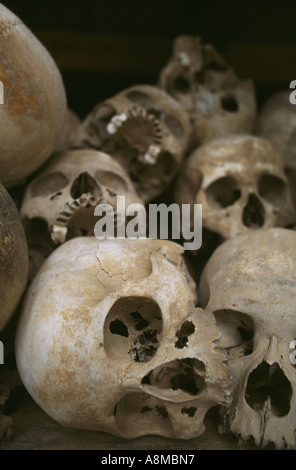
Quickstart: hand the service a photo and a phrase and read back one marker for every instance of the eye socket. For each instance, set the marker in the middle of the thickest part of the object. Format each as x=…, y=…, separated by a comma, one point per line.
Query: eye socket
x=132, y=329
x=223, y=192
x=111, y=181
x=229, y=103
x=273, y=189
x=140, y=98
x=181, y=84
x=48, y=184
x=174, y=126
x=237, y=332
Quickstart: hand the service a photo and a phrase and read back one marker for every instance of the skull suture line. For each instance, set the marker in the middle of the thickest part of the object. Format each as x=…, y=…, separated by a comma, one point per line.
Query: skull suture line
x=207, y=88
x=59, y=202
x=110, y=339
x=249, y=284
x=241, y=184
x=143, y=128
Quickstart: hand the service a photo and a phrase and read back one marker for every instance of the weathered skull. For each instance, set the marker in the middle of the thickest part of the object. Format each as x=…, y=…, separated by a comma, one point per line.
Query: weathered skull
x=249, y=285
x=277, y=123
x=34, y=110
x=240, y=182
x=14, y=263
x=59, y=202
x=217, y=102
x=110, y=339
x=13, y=258
x=143, y=128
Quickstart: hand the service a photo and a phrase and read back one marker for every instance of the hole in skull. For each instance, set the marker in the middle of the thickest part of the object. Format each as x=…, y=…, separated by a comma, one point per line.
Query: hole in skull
x=237, y=331
x=174, y=126
x=140, y=98
x=273, y=189
x=84, y=184
x=223, y=192
x=140, y=322
x=145, y=346
x=132, y=329
x=229, y=103
x=269, y=383
x=182, y=334
x=253, y=213
x=48, y=184
x=112, y=181
x=139, y=411
x=190, y=411
x=185, y=375
x=117, y=327
x=181, y=84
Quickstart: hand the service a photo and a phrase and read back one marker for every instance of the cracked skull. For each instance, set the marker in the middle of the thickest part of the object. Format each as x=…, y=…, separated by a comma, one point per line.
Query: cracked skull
x=119, y=346
x=143, y=128
x=59, y=202
x=241, y=184
x=249, y=284
x=205, y=85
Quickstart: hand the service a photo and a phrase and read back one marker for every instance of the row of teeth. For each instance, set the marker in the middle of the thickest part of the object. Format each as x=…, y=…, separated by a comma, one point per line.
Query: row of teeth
x=153, y=150
x=59, y=229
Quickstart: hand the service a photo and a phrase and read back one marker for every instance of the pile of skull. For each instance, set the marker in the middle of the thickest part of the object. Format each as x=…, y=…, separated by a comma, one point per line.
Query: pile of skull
x=123, y=336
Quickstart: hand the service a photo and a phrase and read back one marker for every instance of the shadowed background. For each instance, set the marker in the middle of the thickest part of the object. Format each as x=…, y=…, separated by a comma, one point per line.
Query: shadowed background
x=102, y=47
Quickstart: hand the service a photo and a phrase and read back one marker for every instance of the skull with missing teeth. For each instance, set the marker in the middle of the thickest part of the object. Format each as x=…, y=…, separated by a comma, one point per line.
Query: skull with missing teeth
x=205, y=85
x=146, y=130
x=241, y=184
x=59, y=203
x=249, y=284
x=110, y=339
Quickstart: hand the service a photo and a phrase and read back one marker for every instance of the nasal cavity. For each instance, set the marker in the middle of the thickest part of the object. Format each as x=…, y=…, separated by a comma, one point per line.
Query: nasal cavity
x=84, y=184
x=269, y=387
x=253, y=214
x=186, y=375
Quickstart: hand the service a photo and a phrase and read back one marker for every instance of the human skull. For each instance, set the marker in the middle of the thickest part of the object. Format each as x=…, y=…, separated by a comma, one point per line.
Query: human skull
x=145, y=130
x=249, y=284
x=14, y=260
x=277, y=123
x=109, y=339
x=206, y=86
x=241, y=184
x=34, y=108
x=59, y=202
